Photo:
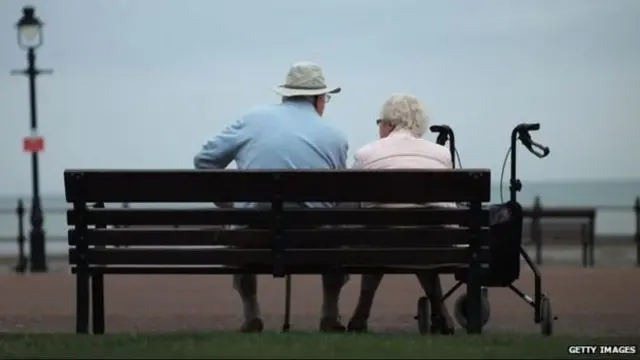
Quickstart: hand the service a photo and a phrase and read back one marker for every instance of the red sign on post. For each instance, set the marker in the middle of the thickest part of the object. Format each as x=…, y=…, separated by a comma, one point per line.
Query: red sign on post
x=33, y=144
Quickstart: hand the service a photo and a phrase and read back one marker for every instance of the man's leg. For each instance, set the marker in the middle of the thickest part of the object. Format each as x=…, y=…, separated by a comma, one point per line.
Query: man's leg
x=441, y=320
x=247, y=287
x=368, y=287
x=331, y=286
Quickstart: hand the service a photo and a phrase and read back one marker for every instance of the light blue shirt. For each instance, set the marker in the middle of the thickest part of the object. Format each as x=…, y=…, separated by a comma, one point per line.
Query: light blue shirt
x=290, y=135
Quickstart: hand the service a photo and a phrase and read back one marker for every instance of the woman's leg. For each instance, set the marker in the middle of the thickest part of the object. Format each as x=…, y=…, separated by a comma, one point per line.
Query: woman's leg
x=368, y=287
x=442, y=321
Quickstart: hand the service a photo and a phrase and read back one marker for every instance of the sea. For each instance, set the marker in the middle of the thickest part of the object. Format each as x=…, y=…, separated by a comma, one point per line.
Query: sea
x=614, y=200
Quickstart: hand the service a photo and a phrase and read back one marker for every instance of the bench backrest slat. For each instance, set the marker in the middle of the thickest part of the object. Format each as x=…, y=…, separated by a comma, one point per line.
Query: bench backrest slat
x=262, y=218
x=381, y=186
x=302, y=238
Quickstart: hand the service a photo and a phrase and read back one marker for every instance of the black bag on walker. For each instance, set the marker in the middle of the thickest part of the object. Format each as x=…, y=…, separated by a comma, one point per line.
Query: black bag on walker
x=505, y=243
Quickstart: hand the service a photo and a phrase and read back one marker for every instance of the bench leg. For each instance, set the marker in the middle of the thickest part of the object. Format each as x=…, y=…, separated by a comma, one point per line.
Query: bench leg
x=287, y=304
x=82, y=301
x=474, y=294
x=97, y=295
x=474, y=291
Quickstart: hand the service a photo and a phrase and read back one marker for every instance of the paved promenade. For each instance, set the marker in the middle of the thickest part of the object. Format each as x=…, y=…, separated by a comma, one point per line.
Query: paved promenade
x=586, y=301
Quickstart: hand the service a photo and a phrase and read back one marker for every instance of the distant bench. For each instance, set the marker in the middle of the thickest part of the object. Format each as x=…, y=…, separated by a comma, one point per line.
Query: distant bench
x=561, y=226
x=280, y=241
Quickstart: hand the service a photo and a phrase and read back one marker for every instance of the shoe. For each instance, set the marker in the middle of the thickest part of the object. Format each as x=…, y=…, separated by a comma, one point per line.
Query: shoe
x=357, y=325
x=331, y=325
x=442, y=324
x=252, y=326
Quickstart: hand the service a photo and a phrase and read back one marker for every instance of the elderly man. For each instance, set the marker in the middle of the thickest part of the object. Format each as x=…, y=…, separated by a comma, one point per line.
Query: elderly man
x=401, y=126
x=289, y=135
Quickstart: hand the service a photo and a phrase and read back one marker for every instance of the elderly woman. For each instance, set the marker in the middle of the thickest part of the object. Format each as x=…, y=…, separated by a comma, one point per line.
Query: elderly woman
x=401, y=126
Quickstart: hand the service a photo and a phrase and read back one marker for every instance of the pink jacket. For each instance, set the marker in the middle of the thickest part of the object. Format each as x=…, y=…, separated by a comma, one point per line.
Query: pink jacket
x=401, y=150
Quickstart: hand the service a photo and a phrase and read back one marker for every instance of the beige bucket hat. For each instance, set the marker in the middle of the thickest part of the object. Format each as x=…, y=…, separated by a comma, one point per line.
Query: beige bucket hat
x=305, y=79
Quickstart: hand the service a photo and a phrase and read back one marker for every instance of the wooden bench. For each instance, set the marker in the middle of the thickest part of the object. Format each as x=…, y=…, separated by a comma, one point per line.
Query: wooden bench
x=561, y=226
x=282, y=240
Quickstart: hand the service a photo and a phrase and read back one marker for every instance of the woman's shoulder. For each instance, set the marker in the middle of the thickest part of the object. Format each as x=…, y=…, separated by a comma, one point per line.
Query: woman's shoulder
x=371, y=147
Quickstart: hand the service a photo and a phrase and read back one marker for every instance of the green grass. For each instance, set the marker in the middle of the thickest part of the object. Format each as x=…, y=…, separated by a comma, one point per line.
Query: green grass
x=291, y=346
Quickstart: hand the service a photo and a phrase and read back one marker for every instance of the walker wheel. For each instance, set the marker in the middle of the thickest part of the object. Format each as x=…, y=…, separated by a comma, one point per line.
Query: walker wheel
x=423, y=316
x=546, y=316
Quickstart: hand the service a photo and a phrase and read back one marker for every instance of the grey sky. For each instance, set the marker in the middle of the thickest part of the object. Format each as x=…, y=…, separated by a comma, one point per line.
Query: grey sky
x=142, y=84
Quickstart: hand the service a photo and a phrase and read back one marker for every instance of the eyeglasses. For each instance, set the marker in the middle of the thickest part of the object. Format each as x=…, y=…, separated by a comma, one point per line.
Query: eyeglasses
x=387, y=122
x=327, y=98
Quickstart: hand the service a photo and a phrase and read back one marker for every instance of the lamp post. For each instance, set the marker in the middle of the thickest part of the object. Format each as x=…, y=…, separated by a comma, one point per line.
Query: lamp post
x=29, y=29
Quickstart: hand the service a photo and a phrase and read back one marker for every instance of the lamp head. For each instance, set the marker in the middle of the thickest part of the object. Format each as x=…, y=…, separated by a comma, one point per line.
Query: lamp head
x=29, y=29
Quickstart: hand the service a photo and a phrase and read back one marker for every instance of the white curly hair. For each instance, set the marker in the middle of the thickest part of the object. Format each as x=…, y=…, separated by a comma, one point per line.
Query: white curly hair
x=405, y=111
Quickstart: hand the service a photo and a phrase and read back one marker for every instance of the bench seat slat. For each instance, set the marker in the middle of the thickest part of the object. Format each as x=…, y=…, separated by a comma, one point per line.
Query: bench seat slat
x=433, y=185
x=243, y=257
x=303, y=238
x=263, y=218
